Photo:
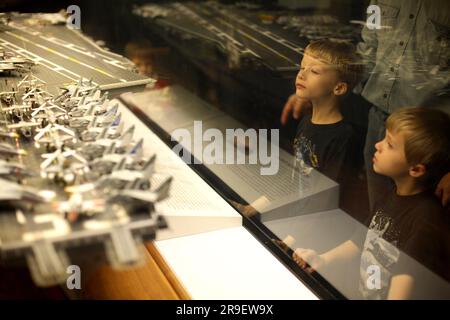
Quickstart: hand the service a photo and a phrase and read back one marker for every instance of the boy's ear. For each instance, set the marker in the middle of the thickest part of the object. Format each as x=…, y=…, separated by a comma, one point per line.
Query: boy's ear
x=340, y=89
x=417, y=170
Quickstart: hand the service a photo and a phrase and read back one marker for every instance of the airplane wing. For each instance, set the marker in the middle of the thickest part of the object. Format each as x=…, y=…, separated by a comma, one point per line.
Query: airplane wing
x=158, y=194
x=23, y=124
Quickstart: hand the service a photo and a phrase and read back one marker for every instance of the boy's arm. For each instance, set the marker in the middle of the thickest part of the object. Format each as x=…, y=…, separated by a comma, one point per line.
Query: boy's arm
x=253, y=208
x=310, y=261
x=344, y=252
x=401, y=287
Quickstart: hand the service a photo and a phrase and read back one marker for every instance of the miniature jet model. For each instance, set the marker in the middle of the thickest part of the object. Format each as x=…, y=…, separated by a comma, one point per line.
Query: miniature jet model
x=97, y=148
x=129, y=179
x=4, y=18
x=15, y=107
x=8, y=97
x=98, y=121
x=25, y=127
x=151, y=11
x=122, y=142
x=63, y=165
x=120, y=178
x=86, y=108
x=54, y=134
x=7, y=67
x=10, y=62
x=30, y=81
x=50, y=18
x=77, y=90
x=110, y=158
x=17, y=61
x=7, y=151
x=12, y=191
x=36, y=96
x=48, y=106
x=132, y=200
x=13, y=170
x=23, y=124
x=93, y=133
x=6, y=134
x=159, y=194
x=77, y=205
x=15, y=110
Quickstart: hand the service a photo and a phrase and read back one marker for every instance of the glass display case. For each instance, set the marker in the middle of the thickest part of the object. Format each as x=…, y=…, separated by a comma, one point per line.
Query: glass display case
x=323, y=123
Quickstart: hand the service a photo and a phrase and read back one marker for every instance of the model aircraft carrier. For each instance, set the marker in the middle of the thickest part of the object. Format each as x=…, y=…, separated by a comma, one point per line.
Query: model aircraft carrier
x=245, y=33
x=63, y=55
x=73, y=174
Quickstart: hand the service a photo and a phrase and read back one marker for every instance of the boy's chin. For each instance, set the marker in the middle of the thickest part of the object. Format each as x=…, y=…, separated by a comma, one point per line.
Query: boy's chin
x=301, y=94
x=376, y=169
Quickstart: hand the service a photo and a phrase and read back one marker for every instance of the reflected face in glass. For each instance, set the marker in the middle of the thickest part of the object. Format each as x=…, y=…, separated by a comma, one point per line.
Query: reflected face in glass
x=389, y=158
x=315, y=79
x=144, y=66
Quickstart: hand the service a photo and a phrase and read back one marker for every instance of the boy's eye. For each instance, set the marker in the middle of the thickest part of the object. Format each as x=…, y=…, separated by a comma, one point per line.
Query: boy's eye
x=389, y=145
x=314, y=71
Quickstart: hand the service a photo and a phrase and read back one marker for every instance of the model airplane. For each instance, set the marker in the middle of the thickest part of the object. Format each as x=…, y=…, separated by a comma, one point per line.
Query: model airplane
x=14, y=170
x=7, y=134
x=8, y=97
x=8, y=151
x=26, y=128
x=12, y=191
x=120, y=178
x=11, y=62
x=54, y=135
x=63, y=166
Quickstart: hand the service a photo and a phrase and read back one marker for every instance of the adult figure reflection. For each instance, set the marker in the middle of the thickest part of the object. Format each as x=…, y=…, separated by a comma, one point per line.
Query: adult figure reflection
x=407, y=63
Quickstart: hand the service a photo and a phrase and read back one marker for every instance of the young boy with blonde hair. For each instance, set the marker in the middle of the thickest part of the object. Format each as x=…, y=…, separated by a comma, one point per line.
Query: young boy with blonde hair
x=328, y=71
x=408, y=223
x=324, y=140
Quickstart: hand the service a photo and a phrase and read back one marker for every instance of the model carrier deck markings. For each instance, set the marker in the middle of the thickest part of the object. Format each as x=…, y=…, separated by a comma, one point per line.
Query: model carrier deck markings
x=61, y=55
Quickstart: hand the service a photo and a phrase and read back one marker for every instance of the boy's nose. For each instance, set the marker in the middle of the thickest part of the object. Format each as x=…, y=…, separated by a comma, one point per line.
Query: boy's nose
x=377, y=145
x=301, y=75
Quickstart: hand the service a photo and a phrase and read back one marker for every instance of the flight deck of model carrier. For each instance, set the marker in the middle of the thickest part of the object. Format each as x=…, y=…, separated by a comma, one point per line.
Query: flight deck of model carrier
x=64, y=55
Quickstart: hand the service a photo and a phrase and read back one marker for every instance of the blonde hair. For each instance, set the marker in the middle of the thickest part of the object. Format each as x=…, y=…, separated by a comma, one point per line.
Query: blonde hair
x=427, y=139
x=341, y=55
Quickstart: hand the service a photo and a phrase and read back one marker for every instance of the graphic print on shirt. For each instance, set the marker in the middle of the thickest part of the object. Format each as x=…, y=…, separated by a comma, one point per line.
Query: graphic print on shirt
x=380, y=250
x=305, y=154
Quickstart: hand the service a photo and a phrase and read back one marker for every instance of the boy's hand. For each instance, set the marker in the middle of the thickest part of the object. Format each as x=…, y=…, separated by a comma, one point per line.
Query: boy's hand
x=443, y=189
x=294, y=105
x=246, y=210
x=281, y=244
x=308, y=259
